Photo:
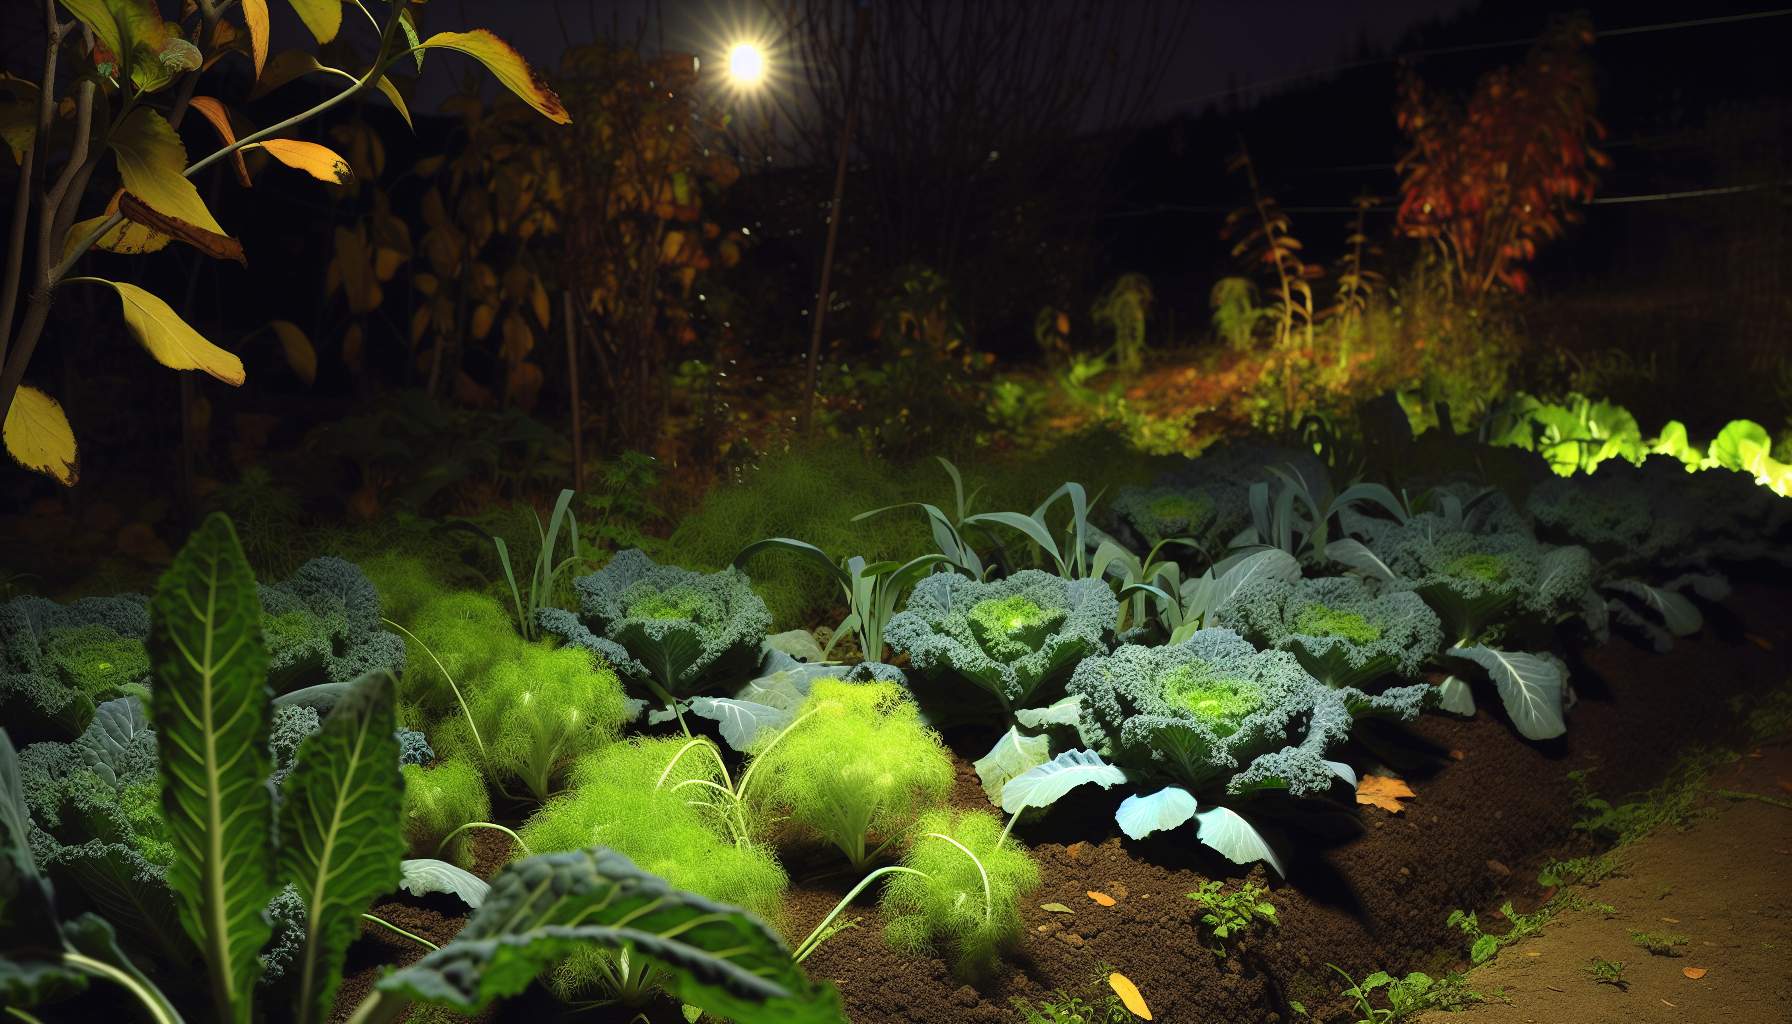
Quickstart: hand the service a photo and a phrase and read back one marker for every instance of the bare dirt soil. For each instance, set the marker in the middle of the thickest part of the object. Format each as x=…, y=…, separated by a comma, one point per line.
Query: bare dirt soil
x=1721, y=884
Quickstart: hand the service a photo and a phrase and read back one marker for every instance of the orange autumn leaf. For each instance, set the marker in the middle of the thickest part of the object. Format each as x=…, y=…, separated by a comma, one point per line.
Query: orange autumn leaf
x=1129, y=995
x=1101, y=898
x=1695, y=973
x=1384, y=792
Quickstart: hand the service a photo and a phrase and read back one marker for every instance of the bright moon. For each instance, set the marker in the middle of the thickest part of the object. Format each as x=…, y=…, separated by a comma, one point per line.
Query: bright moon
x=746, y=64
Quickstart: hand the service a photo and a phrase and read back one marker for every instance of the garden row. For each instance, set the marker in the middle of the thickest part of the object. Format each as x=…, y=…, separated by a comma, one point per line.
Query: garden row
x=231, y=772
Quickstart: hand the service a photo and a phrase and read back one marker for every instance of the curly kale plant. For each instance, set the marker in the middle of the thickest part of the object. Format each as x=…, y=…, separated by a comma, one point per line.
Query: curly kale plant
x=1011, y=637
x=1478, y=582
x=674, y=631
x=1482, y=585
x=322, y=625
x=1344, y=630
x=1208, y=514
x=57, y=662
x=1216, y=719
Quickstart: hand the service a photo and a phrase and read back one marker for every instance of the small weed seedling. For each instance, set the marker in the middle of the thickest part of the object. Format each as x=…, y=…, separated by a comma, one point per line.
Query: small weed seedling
x=1230, y=914
x=1063, y=1008
x=1659, y=943
x=1607, y=972
x=1409, y=996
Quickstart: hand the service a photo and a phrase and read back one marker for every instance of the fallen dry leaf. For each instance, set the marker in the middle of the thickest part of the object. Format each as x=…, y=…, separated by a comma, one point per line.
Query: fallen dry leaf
x=1101, y=897
x=1671, y=920
x=1384, y=792
x=1664, y=1002
x=1759, y=641
x=1056, y=908
x=1129, y=995
x=1457, y=755
x=1695, y=973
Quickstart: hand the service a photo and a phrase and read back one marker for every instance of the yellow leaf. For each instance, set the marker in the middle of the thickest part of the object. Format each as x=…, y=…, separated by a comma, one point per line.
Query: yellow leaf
x=38, y=435
x=538, y=297
x=483, y=316
x=1383, y=792
x=122, y=27
x=1693, y=973
x=1101, y=898
x=18, y=114
x=300, y=355
x=1129, y=995
x=419, y=324
x=127, y=239
x=519, y=340
x=255, y=13
x=391, y=92
x=386, y=263
x=321, y=162
x=150, y=160
x=322, y=17
x=168, y=338
x=506, y=65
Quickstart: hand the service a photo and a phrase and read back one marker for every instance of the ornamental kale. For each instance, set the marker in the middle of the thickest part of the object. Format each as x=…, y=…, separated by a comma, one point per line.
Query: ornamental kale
x=1143, y=517
x=1345, y=631
x=322, y=625
x=1481, y=585
x=1477, y=582
x=1216, y=719
x=1012, y=637
x=669, y=629
x=57, y=662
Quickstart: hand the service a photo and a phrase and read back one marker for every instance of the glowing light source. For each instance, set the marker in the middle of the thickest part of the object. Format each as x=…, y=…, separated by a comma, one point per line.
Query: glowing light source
x=746, y=65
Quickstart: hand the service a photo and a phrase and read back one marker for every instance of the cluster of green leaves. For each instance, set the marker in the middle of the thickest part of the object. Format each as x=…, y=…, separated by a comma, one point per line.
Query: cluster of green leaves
x=1408, y=996
x=1064, y=1008
x=1660, y=943
x=1231, y=914
x=438, y=801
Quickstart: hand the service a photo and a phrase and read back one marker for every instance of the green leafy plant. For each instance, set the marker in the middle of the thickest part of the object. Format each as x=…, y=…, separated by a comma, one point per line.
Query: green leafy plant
x=1065, y=1008
x=544, y=571
x=672, y=630
x=58, y=662
x=1231, y=914
x=1483, y=945
x=856, y=764
x=1607, y=972
x=538, y=709
x=132, y=105
x=1265, y=240
x=1122, y=309
x=640, y=798
x=1660, y=943
x=872, y=589
x=948, y=530
x=322, y=626
x=1407, y=996
x=1010, y=637
x=1345, y=631
x=1069, y=550
x=962, y=888
x=1236, y=314
x=1217, y=720
x=439, y=801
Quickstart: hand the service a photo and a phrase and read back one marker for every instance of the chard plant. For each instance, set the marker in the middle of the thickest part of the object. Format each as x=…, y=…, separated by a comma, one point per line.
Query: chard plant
x=949, y=533
x=133, y=78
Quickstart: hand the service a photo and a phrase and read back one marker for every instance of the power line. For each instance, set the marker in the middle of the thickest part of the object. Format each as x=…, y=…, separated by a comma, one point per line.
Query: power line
x=1631, y=30
x=1650, y=197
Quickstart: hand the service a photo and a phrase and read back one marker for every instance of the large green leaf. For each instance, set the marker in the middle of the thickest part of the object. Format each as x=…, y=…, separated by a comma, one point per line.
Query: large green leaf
x=212, y=713
x=720, y=958
x=340, y=842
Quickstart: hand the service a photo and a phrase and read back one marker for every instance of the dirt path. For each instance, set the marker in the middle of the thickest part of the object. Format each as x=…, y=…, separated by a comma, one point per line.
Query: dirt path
x=1723, y=884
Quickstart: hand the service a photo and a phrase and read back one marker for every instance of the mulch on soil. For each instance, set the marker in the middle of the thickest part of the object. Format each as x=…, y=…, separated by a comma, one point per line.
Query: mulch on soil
x=1366, y=891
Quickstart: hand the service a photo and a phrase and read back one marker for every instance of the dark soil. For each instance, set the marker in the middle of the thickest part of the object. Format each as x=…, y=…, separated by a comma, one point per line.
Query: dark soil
x=1366, y=891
